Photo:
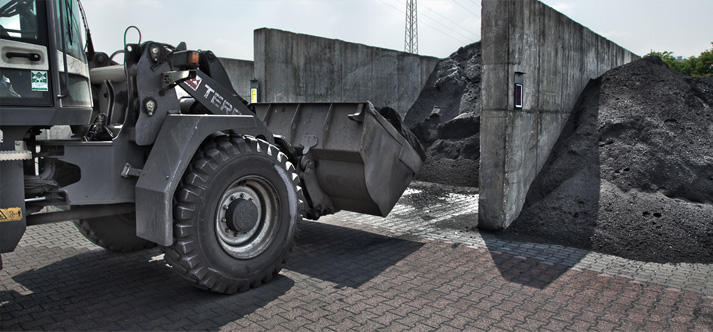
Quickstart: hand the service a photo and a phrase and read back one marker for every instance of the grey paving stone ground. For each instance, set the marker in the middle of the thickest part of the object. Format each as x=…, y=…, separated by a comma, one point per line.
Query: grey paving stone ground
x=418, y=269
x=450, y=214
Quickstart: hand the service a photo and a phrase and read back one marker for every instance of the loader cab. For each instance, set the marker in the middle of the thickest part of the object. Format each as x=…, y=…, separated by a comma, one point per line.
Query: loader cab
x=44, y=75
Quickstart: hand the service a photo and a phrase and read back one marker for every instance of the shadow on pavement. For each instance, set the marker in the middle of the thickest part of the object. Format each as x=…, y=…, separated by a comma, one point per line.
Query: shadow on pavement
x=511, y=266
x=523, y=270
x=562, y=203
x=99, y=290
x=345, y=256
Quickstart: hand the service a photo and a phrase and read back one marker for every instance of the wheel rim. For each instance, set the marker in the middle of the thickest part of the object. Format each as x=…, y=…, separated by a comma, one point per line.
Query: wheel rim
x=246, y=217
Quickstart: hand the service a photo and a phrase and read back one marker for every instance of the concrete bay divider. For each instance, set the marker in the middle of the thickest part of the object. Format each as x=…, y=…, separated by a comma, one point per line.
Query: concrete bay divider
x=240, y=73
x=553, y=57
x=303, y=68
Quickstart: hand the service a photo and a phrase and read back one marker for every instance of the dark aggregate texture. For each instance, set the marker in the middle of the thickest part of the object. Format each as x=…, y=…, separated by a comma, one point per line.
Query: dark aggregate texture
x=446, y=119
x=632, y=172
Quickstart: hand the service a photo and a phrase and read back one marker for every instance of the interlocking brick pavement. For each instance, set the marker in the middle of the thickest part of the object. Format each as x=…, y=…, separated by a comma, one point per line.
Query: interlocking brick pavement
x=430, y=212
x=346, y=273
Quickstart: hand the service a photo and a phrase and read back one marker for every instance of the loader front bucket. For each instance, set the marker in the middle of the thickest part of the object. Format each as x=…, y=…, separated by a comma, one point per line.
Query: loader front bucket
x=362, y=161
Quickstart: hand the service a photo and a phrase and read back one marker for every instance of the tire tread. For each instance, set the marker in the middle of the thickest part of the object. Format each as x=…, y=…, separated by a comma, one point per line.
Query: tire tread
x=182, y=254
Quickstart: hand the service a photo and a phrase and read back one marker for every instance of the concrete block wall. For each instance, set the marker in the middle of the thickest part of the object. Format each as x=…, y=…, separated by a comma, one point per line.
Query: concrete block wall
x=554, y=57
x=240, y=73
x=303, y=68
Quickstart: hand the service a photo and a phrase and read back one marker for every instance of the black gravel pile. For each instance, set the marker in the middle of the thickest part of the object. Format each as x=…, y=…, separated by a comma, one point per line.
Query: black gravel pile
x=632, y=173
x=446, y=119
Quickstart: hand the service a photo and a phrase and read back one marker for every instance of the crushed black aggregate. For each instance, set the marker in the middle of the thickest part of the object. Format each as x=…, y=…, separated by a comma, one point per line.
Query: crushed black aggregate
x=632, y=173
x=446, y=119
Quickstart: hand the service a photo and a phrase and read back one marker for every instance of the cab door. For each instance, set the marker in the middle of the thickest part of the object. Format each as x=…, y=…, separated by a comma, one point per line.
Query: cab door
x=25, y=78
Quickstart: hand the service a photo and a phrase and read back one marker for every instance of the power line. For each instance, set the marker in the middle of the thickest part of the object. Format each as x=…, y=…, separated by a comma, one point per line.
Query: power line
x=447, y=20
x=426, y=23
x=466, y=8
x=449, y=25
x=446, y=33
x=444, y=23
x=411, y=34
x=451, y=29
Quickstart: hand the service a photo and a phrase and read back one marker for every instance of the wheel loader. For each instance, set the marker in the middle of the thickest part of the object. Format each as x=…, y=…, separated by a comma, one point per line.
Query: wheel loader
x=163, y=152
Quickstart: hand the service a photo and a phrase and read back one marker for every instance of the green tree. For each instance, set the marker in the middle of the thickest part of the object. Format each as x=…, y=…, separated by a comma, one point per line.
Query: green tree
x=699, y=66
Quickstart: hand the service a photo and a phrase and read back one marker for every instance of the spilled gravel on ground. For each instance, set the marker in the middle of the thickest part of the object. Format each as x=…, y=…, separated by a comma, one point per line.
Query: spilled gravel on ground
x=632, y=173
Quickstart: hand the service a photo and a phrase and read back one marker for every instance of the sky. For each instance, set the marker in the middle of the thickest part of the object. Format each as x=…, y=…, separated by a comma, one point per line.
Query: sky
x=226, y=26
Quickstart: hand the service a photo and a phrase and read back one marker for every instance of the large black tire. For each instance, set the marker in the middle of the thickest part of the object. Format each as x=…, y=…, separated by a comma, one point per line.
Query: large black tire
x=260, y=174
x=114, y=233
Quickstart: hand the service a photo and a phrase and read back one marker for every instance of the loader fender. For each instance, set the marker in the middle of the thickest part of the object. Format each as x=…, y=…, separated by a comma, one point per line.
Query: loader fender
x=12, y=205
x=12, y=188
x=178, y=140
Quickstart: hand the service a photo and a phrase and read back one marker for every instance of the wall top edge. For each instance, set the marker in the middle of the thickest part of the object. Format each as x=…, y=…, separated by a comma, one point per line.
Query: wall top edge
x=235, y=59
x=272, y=30
x=583, y=26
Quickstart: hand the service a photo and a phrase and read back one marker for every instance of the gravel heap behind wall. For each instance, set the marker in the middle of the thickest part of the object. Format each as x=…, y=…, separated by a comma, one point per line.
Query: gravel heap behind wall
x=632, y=173
x=446, y=119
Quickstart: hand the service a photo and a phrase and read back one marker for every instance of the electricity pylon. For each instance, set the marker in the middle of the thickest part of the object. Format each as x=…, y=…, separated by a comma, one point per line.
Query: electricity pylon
x=411, y=36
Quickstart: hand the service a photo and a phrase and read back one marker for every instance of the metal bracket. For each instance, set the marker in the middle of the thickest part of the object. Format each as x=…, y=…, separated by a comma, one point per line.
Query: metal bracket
x=172, y=78
x=361, y=111
x=310, y=142
x=321, y=202
x=130, y=171
x=358, y=116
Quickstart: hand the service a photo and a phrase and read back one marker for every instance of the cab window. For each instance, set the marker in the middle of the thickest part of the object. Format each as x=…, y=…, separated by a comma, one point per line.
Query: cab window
x=74, y=33
x=78, y=90
x=20, y=20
